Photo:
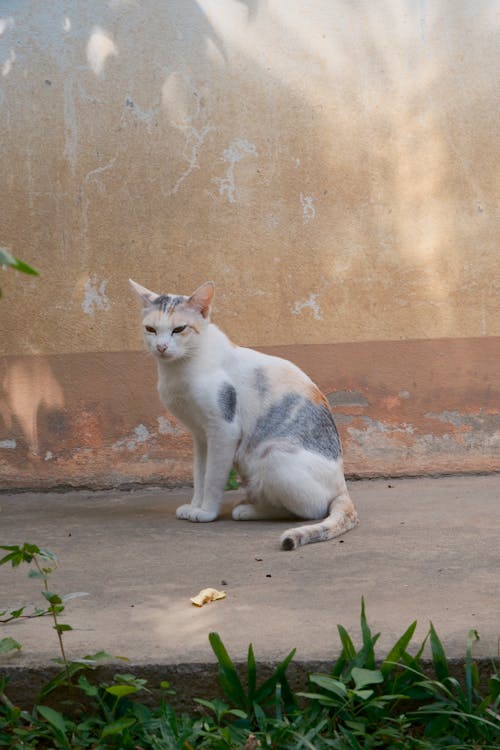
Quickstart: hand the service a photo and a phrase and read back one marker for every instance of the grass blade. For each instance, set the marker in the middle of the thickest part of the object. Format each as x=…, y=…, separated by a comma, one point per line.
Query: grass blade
x=368, y=640
x=251, y=674
x=228, y=676
x=438, y=655
x=470, y=667
x=398, y=649
x=268, y=687
x=347, y=644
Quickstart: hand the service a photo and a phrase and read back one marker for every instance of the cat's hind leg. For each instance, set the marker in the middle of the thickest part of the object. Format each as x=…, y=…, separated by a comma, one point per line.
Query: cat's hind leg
x=249, y=511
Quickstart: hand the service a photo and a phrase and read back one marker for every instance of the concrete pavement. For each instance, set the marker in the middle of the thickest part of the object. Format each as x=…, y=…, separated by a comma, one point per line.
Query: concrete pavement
x=426, y=549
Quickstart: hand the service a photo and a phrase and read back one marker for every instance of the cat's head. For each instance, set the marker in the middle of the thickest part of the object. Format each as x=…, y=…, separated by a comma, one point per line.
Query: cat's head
x=172, y=324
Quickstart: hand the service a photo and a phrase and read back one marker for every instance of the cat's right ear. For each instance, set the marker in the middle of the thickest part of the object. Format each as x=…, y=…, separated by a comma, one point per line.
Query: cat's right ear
x=145, y=295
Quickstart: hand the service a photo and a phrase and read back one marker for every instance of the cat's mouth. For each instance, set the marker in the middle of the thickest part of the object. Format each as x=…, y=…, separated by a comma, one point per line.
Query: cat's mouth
x=165, y=356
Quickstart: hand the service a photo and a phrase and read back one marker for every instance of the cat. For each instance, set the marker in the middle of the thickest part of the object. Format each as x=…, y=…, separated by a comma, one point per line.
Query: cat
x=258, y=413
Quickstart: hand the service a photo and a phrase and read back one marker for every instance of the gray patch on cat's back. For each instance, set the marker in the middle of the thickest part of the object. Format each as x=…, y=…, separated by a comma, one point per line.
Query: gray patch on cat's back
x=276, y=421
x=167, y=303
x=227, y=401
x=318, y=430
x=300, y=422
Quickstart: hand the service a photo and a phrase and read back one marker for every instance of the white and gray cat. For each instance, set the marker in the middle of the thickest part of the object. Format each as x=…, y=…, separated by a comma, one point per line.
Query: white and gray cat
x=246, y=409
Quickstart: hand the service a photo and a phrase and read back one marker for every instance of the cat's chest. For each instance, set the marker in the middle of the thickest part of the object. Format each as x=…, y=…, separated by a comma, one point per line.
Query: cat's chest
x=182, y=400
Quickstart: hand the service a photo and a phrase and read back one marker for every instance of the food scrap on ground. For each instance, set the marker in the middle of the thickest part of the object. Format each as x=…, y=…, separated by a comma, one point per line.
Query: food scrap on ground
x=207, y=595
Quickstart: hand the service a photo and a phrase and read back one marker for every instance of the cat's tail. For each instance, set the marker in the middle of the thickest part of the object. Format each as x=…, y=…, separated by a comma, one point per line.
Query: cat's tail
x=342, y=518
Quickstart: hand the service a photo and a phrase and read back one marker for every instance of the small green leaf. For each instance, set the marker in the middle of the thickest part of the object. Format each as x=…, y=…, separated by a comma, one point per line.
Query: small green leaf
x=494, y=687
x=87, y=688
x=37, y=574
x=9, y=644
x=321, y=697
x=358, y=726
x=363, y=694
x=232, y=481
x=329, y=684
x=363, y=677
x=54, y=718
x=17, y=612
x=60, y=628
x=117, y=727
x=52, y=598
x=6, y=259
x=46, y=554
x=15, y=558
x=121, y=690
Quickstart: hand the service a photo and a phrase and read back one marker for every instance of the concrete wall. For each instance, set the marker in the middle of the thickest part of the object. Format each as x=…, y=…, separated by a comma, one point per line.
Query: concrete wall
x=329, y=164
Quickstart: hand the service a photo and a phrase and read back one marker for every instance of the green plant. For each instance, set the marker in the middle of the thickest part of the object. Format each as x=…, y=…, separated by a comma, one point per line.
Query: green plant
x=45, y=563
x=370, y=704
x=8, y=260
x=250, y=703
x=232, y=481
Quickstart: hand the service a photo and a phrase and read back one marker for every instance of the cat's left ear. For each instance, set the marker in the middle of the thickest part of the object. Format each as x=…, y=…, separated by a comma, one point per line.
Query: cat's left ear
x=202, y=298
x=145, y=295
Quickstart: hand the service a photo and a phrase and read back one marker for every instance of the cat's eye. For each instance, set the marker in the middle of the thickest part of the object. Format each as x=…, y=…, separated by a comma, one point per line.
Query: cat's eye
x=179, y=329
x=150, y=329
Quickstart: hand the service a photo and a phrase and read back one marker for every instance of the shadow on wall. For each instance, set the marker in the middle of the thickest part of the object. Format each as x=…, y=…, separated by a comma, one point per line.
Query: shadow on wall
x=28, y=388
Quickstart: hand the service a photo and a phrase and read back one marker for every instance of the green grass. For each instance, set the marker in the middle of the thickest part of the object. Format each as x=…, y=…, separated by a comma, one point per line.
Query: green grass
x=361, y=703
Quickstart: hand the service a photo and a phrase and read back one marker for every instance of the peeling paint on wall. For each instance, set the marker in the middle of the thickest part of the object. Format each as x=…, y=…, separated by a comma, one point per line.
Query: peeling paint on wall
x=238, y=150
x=8, y=444
x=95, y=295
x=310, y=303
x=165, y=427
x=308, y=208
x=141, y=435
x=181, y=99
x=145, y=116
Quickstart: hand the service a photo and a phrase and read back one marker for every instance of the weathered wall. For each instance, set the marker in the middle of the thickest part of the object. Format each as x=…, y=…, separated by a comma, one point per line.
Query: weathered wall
x=329, y=164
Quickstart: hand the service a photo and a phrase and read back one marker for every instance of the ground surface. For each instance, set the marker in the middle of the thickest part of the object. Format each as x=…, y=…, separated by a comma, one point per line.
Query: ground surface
x=426, y=549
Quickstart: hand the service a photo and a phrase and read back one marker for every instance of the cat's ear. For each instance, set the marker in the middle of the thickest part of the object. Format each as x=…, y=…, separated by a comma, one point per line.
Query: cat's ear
x=145, y=295
x=202, y=298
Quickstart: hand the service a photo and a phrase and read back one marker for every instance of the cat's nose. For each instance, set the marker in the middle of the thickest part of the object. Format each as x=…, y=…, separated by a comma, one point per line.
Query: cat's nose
x=162, y=348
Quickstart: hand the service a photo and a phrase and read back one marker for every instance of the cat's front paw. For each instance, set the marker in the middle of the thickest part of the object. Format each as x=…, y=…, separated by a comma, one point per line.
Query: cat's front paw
x=191, y=513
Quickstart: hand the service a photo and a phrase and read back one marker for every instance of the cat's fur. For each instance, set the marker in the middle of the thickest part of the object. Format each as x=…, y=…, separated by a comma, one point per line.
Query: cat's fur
x=258, y=413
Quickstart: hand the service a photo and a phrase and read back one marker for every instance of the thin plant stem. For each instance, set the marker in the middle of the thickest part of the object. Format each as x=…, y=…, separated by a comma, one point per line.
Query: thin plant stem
x=56, y=628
